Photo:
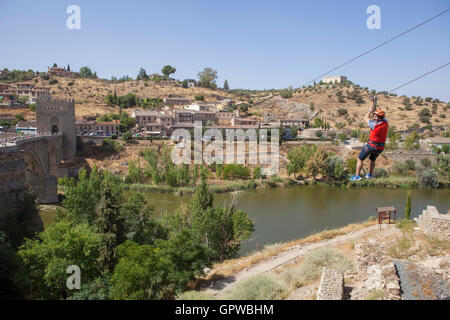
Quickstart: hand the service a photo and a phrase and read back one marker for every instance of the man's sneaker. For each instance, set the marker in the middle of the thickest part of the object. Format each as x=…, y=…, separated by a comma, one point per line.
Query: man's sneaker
x=355, y=178
x=369, y=176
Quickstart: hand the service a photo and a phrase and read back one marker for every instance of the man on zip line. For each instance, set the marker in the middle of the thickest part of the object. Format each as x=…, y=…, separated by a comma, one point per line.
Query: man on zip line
x=375, y=146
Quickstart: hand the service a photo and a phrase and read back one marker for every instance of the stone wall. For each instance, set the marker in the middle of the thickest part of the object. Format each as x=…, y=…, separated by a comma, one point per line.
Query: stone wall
x=12, y=180
x=331, y=285
x=434, y=224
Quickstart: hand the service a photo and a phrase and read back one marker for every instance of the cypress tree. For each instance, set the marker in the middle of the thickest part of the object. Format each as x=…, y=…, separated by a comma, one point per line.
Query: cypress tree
x=226, y=87
x=408, y=206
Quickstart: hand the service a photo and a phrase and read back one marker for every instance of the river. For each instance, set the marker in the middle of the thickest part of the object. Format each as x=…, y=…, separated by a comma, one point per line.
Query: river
x=285, y=214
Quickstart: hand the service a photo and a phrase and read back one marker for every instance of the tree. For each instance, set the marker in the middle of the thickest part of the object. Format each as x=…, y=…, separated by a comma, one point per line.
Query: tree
x=127, y=136
x=199, y=97
x=408, y=206
x=45, y=260
x=257, y=173
x=412, y=141
x=54, y=65
x=85, y=72
x=425, y=115
x=207, y=78
x=160, y=271
x=168, y=70
x=110, y=224
x=226, y=87
x=142, y=75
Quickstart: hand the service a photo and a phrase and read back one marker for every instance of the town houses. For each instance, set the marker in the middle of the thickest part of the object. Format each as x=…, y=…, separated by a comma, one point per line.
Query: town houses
x=11, y=92
x=163, y=121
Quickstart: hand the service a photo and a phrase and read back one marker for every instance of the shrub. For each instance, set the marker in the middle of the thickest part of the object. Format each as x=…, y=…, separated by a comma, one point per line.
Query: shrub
x=319, y=133
x=45, y=76
x=425, y=162
x=311, y=268
x=351, y=165
x=235, y=171
x=425, y=115
x=342, y=112
x=199, y=97
x=379, y=173
x=260, y=287
x=195, y=295
x=111, y=146
x=428, y=178
x=53, y=81
x=410, y=164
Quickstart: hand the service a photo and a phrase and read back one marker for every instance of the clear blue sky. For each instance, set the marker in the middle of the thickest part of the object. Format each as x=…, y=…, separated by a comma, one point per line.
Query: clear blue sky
x=253, y=44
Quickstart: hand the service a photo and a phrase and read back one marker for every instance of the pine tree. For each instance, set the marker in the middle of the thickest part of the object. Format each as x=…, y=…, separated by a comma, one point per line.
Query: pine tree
x=68, y=67
x=226, y=87
x=408, y=206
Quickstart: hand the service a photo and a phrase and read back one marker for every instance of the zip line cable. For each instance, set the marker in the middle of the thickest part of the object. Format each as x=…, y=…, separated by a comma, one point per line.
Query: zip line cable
x=424, y=75
x=380, y=45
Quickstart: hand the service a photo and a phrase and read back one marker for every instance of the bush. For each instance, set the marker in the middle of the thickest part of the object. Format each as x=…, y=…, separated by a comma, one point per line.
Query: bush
x=260, y=287
x=342, y=112
x=235, y=171
x=319, y=134
x=428, y=178
x=53, y=81
x=195, y=295
x=199, y=97
x=311, y=268
x=425, y=162
x=379, y=173
x=45, y=76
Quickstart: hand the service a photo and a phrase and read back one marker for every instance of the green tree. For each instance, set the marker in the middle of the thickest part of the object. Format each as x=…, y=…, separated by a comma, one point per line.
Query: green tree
x=207, y=78
x=142, y=75
x=408, y=206
x=45, y=260
x=226, y=87
x=412, y=141
x=127, y=136
x=257, y=173
x=160, y=271
x=168, y=70
x=86, y=72
x=199, y=97
x=110, y=224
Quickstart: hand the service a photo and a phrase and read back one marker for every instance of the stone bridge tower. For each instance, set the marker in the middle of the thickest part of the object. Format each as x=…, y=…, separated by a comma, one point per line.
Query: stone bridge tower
x=58, y=116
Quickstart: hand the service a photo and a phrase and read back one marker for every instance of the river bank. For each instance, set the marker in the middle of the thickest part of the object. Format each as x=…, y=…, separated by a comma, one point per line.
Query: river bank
x=242, y=185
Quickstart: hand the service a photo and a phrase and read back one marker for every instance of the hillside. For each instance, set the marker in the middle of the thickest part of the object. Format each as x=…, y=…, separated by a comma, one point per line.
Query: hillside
x=89, y=97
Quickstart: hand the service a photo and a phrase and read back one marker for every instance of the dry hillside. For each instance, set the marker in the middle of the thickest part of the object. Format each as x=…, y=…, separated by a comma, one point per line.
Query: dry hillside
x=89, y=95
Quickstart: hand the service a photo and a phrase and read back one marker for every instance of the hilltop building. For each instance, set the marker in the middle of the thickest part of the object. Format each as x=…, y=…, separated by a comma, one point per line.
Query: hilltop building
x=334, y=79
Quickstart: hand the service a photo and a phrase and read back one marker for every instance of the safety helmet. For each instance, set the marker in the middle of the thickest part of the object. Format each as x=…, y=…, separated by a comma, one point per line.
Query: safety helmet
x=380, y=113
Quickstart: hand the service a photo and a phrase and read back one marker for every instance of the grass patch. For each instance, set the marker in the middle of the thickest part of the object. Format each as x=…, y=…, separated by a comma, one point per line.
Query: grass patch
x=195, y=295
x=375, y=295
x=406, y=225
x=400, y=250
x=260, y=287
x=311, y=268
x=435, y=246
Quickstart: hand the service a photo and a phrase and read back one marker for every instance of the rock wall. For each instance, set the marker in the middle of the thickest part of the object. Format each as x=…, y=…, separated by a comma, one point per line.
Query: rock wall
x=434, y=224
x=12, y=180
x=331, y=285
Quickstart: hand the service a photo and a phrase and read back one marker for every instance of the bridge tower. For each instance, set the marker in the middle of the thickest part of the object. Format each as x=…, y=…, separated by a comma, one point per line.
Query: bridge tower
x=58, y=116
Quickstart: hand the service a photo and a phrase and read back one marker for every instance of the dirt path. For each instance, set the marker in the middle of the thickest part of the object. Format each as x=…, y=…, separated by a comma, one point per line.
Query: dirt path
x=218, y=288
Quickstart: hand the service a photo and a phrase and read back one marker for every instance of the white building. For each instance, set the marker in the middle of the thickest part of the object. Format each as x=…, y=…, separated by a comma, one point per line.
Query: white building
x=334, y=79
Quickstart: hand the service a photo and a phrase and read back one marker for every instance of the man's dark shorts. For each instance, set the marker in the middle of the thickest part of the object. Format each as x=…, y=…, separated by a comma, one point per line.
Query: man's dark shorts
x=369, y=151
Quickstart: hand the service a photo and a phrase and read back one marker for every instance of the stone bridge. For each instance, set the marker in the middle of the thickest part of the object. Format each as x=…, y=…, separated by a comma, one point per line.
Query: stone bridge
x=36, y=162
x=42, y=156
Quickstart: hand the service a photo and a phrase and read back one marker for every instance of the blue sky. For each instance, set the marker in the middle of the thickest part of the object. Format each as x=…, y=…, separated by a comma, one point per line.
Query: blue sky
x=252, y=44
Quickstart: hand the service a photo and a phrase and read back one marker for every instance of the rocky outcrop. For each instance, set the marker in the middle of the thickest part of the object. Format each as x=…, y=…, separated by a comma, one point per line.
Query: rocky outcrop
x=377, y=272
